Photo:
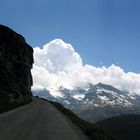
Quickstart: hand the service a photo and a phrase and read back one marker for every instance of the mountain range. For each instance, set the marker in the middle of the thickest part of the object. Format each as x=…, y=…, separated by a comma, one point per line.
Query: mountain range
x=95, y=103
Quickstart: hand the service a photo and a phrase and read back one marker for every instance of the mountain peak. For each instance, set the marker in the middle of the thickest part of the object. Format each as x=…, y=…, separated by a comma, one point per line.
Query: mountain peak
x=107, y=87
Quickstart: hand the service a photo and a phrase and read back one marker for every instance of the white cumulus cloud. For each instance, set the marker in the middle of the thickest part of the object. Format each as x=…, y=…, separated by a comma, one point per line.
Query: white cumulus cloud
x=58, y=64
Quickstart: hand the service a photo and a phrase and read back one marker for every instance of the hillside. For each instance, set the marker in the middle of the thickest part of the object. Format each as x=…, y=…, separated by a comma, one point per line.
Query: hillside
x=126, y=127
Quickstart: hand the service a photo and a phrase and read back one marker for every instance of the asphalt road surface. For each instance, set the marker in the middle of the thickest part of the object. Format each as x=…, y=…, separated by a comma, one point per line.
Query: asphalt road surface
x=38, y=120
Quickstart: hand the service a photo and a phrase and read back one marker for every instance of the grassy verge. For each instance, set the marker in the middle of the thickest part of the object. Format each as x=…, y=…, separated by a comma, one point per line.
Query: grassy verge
x=89, y=129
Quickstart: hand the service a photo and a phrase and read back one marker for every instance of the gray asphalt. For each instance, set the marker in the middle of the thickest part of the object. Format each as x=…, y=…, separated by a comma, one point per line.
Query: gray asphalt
x=38, y=120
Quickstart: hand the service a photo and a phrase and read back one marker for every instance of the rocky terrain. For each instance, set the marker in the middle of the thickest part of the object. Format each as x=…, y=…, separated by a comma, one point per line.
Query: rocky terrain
x=16, y=59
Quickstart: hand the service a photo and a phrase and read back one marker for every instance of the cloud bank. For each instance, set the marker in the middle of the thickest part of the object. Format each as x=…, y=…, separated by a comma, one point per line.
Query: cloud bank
x=58, y=64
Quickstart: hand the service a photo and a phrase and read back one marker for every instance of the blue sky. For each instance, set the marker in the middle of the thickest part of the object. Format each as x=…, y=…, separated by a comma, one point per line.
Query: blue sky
x=103, y=32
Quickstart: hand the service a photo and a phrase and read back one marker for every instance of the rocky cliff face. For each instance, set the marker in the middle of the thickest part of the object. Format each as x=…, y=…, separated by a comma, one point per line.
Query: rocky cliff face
x=16, y=59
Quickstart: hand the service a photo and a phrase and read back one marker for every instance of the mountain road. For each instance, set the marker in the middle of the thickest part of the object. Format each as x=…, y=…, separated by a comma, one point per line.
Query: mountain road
x=38, y=120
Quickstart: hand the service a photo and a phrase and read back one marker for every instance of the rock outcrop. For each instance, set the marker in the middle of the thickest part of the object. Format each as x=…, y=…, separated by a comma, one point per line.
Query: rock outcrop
x=16, y=59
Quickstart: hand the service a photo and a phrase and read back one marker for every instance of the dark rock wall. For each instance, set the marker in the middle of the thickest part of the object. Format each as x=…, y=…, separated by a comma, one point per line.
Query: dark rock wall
x=16, y=59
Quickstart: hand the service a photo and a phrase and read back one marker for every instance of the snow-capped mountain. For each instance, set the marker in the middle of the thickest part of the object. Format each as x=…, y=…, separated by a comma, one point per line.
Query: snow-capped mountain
x=64, y=97
x=103, y=95
x=95, y=102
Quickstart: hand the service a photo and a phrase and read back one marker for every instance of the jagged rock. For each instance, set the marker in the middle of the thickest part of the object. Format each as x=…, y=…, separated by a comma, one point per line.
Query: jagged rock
x=16, y=59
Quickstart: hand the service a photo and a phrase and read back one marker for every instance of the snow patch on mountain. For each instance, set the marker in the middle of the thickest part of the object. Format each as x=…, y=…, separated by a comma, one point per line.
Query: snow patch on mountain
x=103, y=98
x=79, y=96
